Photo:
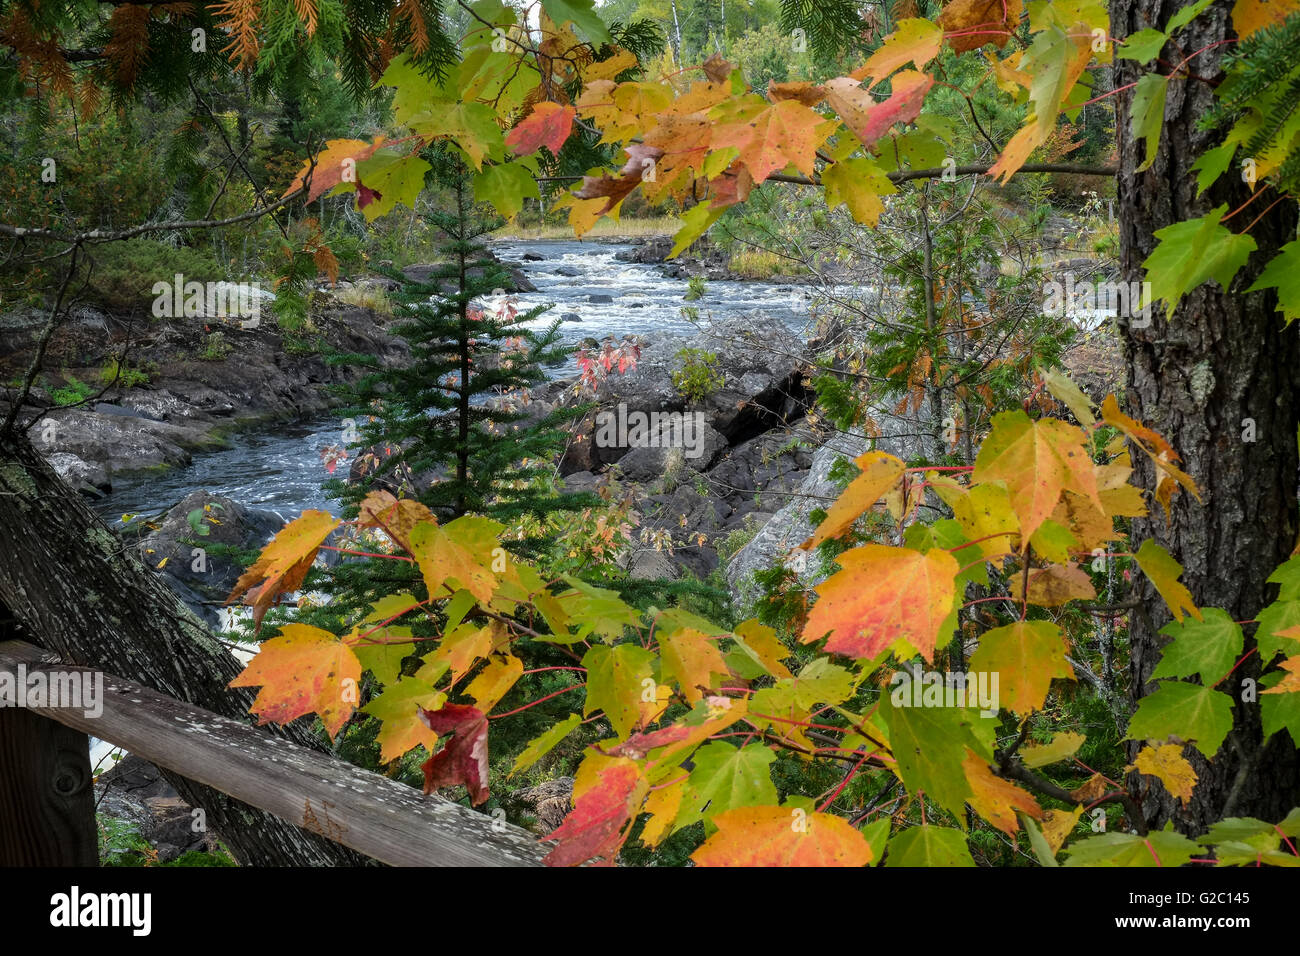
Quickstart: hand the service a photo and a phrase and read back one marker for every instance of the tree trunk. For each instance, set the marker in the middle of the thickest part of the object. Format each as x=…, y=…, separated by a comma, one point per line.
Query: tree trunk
x=74, y=589
x=1222, y=358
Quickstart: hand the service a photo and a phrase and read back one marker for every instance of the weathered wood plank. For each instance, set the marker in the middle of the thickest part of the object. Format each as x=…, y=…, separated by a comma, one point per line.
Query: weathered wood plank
x=47, y=803
x=376, y=816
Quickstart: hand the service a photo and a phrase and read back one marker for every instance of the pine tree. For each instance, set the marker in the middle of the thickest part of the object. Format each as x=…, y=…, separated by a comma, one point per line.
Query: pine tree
x=448, y=430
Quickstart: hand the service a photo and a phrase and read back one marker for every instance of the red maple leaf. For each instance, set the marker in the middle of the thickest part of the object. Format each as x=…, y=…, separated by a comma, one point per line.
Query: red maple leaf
x=463, y=760
x=595, y=826
x=549, y=125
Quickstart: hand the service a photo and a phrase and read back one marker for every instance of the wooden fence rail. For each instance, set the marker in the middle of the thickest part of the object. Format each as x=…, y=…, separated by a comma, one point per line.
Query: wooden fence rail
x=46, y=797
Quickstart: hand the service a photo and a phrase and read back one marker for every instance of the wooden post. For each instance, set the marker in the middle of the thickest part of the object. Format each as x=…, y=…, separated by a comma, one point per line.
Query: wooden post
x=47, y=801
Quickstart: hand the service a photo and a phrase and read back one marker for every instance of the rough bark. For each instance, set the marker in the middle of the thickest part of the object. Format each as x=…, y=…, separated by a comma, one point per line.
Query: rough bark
x=73, y=588
x=1223, y=357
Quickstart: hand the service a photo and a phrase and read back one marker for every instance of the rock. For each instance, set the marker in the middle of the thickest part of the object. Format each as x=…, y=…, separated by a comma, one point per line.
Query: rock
x=532, y=257
x=114, y=442
x=208, y=576
x=136, y=792
x=686, y=439
x=569, y=272
x=104, y=408
x=570, y=317
x=791, y=526
x=600, y=299
x=647, y=564
x=92, y=480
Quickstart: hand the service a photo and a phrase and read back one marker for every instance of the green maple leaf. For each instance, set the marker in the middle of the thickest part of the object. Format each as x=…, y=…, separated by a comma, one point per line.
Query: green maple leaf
x=1128, y=849
x=929, y=846
x=725, y=777
x=582, y=14
x=858, y=184
x=930, y=744
x=695, y=223
x=1283, y=273
x=1147, y=113
x=505, y=185
x=1279, y=711
x=1143, y=46
x=1278, y=616
x=615, y=681
x=394, y=178
x=1192, y=252
x=1208, y=647
x=544, y=743
x=1212, y=164
x=1029, y=655
x=382, y=659
x=1188, y=711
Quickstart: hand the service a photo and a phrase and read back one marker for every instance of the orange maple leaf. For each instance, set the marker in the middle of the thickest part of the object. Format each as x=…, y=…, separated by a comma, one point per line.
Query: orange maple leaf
x=782, y=836
x=303, y=671
x=284, y=562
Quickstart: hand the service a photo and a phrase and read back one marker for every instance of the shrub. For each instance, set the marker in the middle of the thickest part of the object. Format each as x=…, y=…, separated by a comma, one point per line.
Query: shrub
x=71, y=392
x=125, y=376
x=367, y=297
x=125, y=272
x=698, y=377
x=215, y=347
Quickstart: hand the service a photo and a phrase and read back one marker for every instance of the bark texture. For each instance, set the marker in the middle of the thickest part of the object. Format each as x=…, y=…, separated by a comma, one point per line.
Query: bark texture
x=71, y=587
x=1199, y=377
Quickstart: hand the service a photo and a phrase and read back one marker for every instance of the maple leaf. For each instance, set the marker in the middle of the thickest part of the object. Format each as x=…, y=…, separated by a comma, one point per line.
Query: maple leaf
x=1207, y=647
x=1283, y=273
x=461, y=648
x=662, y=804
x=544, y=743
x=692, y=659
x=549, y=125
x=1290, y=684
x=596, y=827
x=1037, y=461
x=1251, y=16
x=303, y=671
x=1167, y=763
x=284, y=562
x=1029, y=655
x=615, y=683
x=1192, y=252
x=914, y=41
x=782, y=836
x=442, y=559
x=1065, y=391
x=761, y=643
x=463, y=760
x=398, y=707
x=970, y=24
x=929, y=745
x=339, y=158
x=1158, y=565
x=870, y=120
x=1054, y=62
x=396, y=518
x=783, y=134
x=582, y=14
x=857, y=183
x=1061, y=747
x=495, y=681
x=1155, y=447
x=928, y=846
x=641, y=161
x=881, y=596
x=877, y=471
x=1059, y=584
x=995, y=799
x=1190, y=712
x=809, y=94
x=725, y=777
x=505, y=186
x=1157, y=848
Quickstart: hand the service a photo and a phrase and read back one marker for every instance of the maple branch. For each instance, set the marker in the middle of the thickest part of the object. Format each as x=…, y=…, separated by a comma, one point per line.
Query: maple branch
x=1014, y=770
x=937, y=172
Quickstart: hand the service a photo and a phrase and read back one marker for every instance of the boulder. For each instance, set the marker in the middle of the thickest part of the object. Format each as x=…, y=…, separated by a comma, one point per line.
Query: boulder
x=89, y=479
x=686, y=440
x=136, y=792
x=791, y=526
x=208, y=576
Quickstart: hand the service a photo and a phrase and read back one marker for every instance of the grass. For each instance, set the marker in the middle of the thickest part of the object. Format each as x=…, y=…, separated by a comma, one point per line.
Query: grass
x=367, y=297
x=761, y=264
x=604, y=229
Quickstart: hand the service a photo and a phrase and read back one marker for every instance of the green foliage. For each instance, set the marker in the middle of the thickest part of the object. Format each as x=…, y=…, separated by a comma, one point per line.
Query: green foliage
x=120, y=844
x=698, y=376
x=115, y=372
x=72, y=392
x=695, y=288
x=215, y=347
x=125, y=273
